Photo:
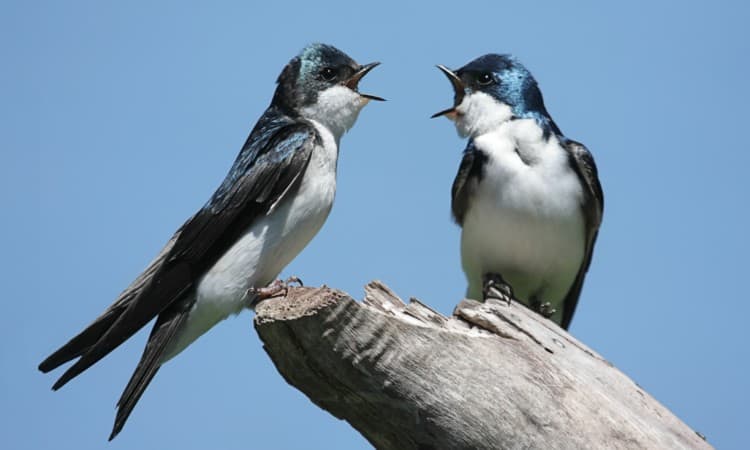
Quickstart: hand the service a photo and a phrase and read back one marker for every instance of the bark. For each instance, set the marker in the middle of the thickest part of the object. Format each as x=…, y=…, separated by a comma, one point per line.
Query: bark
x=493, y=376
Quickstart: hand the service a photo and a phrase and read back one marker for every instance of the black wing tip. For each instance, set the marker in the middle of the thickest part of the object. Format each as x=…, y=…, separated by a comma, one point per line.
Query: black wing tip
x=115, y=431
x=50, y=364
x=73, y=371
x=123, y=413
x=53, y=361
x=62, y=381
x=45, y=367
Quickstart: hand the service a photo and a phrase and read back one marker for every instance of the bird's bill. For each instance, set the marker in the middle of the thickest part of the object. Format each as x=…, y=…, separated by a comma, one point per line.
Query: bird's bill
x=459, y=90
x=353, y=82
x=449, y=113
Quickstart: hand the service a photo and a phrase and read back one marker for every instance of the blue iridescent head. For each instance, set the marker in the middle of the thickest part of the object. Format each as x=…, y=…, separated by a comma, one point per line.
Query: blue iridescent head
x=505, y=80
x=317, y=68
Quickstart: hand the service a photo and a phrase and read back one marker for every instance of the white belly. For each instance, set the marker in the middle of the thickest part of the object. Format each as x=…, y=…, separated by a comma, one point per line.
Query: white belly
x=536, y=255
x=525, y=221
x=268, y=245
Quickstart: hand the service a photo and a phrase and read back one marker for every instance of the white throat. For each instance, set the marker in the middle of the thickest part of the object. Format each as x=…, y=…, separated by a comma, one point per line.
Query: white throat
x=337, y=109
x=480, y=113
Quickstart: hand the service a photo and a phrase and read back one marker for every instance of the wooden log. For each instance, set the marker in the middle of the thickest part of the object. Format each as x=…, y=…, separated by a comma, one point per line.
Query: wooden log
x=493, y=376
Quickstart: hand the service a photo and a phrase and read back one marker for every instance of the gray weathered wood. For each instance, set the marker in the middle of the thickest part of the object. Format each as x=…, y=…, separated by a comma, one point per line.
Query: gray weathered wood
x=492, y=376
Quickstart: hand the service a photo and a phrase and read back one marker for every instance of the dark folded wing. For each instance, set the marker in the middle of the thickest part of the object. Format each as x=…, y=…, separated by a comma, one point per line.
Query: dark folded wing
x=164, y=331
x=469, y=174
x=269, y=165
x=593, y=208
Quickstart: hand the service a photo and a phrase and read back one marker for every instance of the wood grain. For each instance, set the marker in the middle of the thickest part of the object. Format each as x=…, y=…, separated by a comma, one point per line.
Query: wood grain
x=493, y=376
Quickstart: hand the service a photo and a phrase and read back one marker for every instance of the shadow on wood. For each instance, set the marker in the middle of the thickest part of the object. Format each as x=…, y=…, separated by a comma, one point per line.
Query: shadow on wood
x=492, y=376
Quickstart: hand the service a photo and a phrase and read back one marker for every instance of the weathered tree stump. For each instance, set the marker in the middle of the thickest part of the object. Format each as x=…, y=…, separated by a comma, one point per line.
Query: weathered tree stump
x=493, y=376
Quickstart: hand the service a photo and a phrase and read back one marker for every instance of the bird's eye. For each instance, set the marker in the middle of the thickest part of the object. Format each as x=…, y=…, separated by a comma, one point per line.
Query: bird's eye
x=484, y=79
x=328, y=73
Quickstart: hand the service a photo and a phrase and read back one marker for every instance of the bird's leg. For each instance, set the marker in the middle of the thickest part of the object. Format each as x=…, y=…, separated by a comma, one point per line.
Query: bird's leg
x=275, y=289
x=494, y=286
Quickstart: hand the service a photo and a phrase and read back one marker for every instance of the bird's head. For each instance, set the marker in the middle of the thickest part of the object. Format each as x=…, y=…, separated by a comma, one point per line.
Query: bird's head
x=322, y=84
x=491, y=90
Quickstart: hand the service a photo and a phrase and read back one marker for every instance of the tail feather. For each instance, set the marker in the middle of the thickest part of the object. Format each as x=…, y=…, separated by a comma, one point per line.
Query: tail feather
x=86, y=339
x=129, y=322
x=161, y=336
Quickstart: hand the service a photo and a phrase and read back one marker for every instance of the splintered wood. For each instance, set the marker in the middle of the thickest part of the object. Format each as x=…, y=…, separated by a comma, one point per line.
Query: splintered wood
x=492, y=376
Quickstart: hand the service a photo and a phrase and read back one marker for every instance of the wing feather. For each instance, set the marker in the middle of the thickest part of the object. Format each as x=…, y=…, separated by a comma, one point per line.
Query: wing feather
x=467, y=179
x=593, y=208
x=269, y=164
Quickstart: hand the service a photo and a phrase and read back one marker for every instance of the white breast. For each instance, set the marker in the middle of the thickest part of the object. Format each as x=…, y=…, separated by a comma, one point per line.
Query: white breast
x=525, y=221
x=267, y=246
x=271, y=242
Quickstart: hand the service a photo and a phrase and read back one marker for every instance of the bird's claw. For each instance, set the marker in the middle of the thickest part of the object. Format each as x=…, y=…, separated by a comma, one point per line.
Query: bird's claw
x=494, y=286
x=294, y=279
x=546, y=310
x=277, y=288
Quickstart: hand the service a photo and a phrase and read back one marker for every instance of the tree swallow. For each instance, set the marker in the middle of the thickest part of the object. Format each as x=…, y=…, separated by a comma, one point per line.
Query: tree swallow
x=274, y=200
x=527, y=198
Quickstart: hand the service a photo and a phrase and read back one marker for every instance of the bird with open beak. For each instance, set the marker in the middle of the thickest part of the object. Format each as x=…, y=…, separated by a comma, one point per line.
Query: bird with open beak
x=274, y=200
x=527, y=198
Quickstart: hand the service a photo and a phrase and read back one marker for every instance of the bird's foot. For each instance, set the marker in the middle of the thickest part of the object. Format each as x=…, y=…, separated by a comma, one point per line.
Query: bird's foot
x=546, y=309
x=275, y=289
x=494, y=286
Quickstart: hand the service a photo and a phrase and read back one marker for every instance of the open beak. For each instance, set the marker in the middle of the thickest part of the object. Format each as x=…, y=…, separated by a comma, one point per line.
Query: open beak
x=353, y=82
x=458, y=88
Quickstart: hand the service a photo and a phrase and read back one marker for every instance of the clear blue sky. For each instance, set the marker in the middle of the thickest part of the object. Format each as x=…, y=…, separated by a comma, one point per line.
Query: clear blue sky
x=119, y=120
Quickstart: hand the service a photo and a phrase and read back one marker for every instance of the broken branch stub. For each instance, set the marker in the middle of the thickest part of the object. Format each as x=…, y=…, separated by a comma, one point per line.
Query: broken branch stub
x=492, y=376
